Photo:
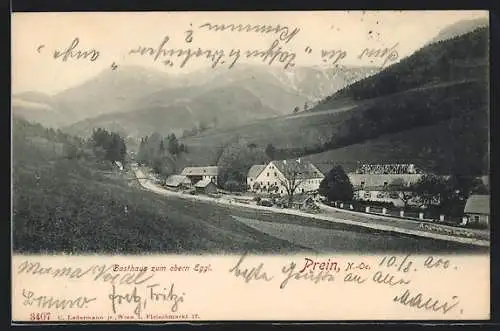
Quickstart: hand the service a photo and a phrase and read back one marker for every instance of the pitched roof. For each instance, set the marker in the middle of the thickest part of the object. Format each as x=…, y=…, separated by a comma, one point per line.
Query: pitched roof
x=203, y=183
x=303, y=169
x=176, y=180
x=478, y=204
x=200, y=171
x=256, y=170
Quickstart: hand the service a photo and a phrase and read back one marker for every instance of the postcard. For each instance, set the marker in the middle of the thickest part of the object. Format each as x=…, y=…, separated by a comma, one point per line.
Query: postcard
x=271, y=166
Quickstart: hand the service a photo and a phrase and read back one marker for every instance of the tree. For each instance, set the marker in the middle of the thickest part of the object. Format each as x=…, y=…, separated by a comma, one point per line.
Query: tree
x=108, y=145
x=234, y=162
x=336, y=186
x=458, y=189
x=202, y=127
x=232, y=185
x=71, y=151
x=162, y=148
x=292, y=177
x=306, y=106
x=462, y=186
x=270, y=151
x=405, y=192
x=296, y=109
x=431, y=190
x=173, y=144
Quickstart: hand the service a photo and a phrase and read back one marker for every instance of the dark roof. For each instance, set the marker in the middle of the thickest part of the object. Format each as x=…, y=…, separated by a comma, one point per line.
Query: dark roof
x=200, y=171
x=256, y=170
x=478, y=204
x=203, y=183
x=304, y=169
x=176, y=180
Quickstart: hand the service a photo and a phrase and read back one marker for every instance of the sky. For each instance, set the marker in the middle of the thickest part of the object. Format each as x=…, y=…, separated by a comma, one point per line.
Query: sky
x=115, y=34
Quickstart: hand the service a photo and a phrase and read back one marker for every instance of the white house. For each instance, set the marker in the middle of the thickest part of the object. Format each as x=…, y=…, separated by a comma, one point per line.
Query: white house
x=195, y=174
x=277, y=176
x=477, y=210
x=253, y=173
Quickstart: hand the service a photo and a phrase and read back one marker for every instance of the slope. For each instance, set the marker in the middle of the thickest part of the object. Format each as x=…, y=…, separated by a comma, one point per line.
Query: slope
x=219, y=107
x=69, y=205
x=441, y=89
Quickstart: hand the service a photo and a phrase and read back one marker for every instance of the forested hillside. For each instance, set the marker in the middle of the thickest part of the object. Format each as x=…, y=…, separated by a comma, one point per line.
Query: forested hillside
x=431, y=109
x=463, y=58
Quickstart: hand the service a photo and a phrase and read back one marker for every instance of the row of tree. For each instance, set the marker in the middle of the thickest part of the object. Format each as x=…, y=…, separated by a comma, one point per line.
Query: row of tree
x=200, y=128
x=234, y=161
x=160, y=153
x=297, y=108
x=449, y=194
x=108, y=146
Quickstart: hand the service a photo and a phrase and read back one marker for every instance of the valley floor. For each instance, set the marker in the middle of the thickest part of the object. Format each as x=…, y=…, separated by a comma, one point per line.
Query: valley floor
x=331, y=229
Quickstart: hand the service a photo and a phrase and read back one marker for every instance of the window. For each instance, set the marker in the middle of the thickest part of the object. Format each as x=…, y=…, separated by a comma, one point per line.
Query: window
x=267, y=174
x=476, y=218
x=275, y=174
x=281, y=191
x=362, y=184
x=251, y=179
x=385, y=184
x=302, y=190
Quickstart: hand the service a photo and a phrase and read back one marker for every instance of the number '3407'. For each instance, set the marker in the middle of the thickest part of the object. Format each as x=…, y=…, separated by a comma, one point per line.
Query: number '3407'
x=39, y=316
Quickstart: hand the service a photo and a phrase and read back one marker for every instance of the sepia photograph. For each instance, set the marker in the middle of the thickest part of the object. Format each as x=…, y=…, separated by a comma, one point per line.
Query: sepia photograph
x=215, y=134
x=256, y=157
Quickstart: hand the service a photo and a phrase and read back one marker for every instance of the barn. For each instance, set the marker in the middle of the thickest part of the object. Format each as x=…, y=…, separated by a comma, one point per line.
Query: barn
x=477, y=210
x=177, y=182
x=206, y=186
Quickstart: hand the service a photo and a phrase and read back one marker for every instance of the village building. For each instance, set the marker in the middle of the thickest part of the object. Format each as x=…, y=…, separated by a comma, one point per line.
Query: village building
x=277, y=176
x=253, y=173
x=196, y=174
x=206, y=186
x=178, y=182
x=375, y=182
x=477, y=210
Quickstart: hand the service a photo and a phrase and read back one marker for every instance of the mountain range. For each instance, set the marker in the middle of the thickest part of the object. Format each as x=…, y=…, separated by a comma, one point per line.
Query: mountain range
x=112, y=97
x=431, y=109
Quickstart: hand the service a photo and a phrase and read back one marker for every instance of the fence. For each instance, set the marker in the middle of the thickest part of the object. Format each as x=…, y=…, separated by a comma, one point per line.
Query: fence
x=410, y=214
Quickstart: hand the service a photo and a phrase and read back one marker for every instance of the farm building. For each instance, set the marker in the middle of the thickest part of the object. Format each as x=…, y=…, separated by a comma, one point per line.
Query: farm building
x=178, y=181
x=276, y=176
x=253, y=173
x=206, y=186
x=377, y=182
x=477, y=210
x=196, y=174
